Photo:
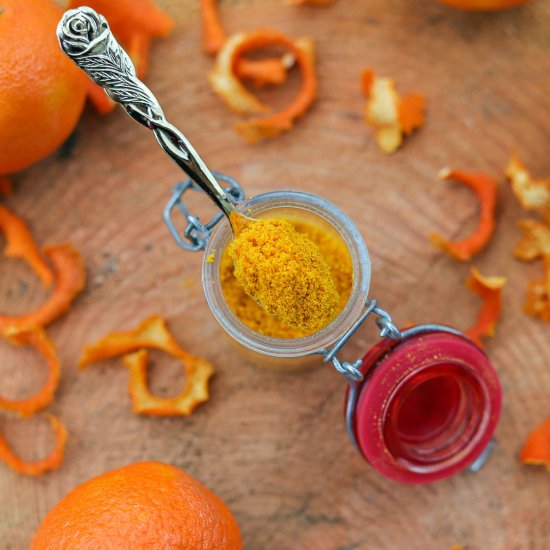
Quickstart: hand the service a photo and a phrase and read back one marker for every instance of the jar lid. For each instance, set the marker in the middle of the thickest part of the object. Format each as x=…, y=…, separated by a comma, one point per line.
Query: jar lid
x=427, y=407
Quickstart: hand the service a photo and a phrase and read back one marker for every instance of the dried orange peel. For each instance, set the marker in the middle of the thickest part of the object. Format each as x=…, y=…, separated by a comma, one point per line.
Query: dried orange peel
x=391, y=115
x=29, y=405
x=532, y=194
x=70, y=280
x=134, y=23
x=536, y=450
x=34, y=468
x=20, y=244
x=153, y=333
x=535, y=243
x=486, y=189
x=489, y=289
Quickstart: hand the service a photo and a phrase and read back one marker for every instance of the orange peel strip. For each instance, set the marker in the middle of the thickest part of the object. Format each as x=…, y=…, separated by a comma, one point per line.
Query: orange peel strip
x=272, y=125
x=490, y=291
x=70, y=280
x=153, y=333
x=535, y=243
x=20, y=244
x=532, y=194
x=34, y=468
x=6, y=186
x=536, y=449
x=213, y=34
x=28, y=406
x=486, y=189
x=390, y=115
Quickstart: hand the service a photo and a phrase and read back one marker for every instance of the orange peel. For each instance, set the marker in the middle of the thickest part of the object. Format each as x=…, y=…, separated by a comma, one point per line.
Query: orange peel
x=69, y=281
x=532, y=194
x=6, y=186
x=534, y=244
x=392, y=116
x=489, y=289
x=37, y=467
x=29, y=405
x=536, y=449
x=20, y=244
x=486, y=189
x=153, y=333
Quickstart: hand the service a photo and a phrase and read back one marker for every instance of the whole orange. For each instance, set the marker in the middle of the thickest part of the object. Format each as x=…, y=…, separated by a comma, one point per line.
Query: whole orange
x=42, y=92
x=483, y=5
x=143, y=505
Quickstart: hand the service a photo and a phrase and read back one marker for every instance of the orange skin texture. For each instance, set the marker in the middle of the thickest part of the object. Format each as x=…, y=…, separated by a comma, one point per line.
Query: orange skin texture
x=139, y=506
x=483, y=5
x=42, y=92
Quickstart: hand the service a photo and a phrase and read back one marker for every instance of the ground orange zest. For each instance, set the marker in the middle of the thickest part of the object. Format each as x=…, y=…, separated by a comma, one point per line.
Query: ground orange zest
x=6, y=186
x=536, y=449
x=20, y=244
x=34, y=468
x=486, y=189
x=70, y=280
x=532, y=194
x=28, y=406
x=390, y=115
x=535, y=243
x=490, y=291
x=153, y=333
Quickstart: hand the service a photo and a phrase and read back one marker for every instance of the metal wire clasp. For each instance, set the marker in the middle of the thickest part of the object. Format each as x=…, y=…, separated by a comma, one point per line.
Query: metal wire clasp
x=387, y=330
x=195, y=235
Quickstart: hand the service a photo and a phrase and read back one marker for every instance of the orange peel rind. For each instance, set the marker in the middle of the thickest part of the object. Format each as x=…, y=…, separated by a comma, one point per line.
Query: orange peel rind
x=34, y=468
x=392, y=116
x=486, y=189
x=153, y=333
x=489, y=289
x=536, y=449
x=6, y=186
x=70, y=280
x=29, y=405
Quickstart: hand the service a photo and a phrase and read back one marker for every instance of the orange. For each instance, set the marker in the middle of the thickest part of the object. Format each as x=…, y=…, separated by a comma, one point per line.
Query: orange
x=42, y=92
x=146, y=505
x=483, y=5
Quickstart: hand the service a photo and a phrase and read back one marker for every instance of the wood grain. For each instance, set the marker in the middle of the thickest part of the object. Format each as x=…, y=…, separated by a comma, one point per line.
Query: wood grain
x=273, y=446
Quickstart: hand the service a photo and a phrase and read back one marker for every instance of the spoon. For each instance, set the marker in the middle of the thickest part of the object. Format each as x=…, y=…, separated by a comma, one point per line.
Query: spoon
x=85, y=37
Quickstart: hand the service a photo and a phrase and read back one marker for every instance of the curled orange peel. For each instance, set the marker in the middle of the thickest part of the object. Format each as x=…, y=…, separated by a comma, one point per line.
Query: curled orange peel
x=153, y=333
x=532, y=194
x=489, y=289
x=37, y=467
x=536, y=449
x=486, y=189
x=392, y=116
x=6, y=186
x=534, y=244
x=69, y=281
x=29, y=405
x=20, y=244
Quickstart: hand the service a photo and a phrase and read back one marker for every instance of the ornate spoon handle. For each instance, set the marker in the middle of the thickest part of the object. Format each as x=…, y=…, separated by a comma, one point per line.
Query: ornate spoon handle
x=85, y=37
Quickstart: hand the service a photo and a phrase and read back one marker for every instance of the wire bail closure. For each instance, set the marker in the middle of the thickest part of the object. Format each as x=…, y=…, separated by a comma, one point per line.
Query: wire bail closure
x=195, y=235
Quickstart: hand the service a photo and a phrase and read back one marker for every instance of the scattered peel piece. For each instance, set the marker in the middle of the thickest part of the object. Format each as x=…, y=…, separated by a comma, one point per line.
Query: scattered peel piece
x=29, y=405
x=486, y=189
x=20, y=244
x=392, y=116
x=535, y=243
x=153, y=333
x=230, y=90
x=532, y=194
x=69, y=281
x=6, y=186
x=490, y=291
x=536, y=450
x=34, y=468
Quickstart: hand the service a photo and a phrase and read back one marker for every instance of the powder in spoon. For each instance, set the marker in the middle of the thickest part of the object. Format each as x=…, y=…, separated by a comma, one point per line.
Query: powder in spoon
x=285, y=273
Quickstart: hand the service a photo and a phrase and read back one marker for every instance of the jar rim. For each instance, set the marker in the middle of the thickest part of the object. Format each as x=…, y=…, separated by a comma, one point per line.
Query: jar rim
x=288, y=347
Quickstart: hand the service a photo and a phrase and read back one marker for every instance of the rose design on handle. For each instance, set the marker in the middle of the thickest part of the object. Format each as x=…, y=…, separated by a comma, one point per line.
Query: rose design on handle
x=82, y=32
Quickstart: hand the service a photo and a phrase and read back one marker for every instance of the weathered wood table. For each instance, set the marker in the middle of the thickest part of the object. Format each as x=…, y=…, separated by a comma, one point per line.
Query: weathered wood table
x=273, y=445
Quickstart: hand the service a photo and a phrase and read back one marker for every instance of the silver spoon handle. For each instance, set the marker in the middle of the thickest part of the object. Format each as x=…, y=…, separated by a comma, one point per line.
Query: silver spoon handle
x=85, y=37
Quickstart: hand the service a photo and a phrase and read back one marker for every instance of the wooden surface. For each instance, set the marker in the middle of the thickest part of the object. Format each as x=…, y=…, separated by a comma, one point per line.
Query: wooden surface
x=273, y=446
